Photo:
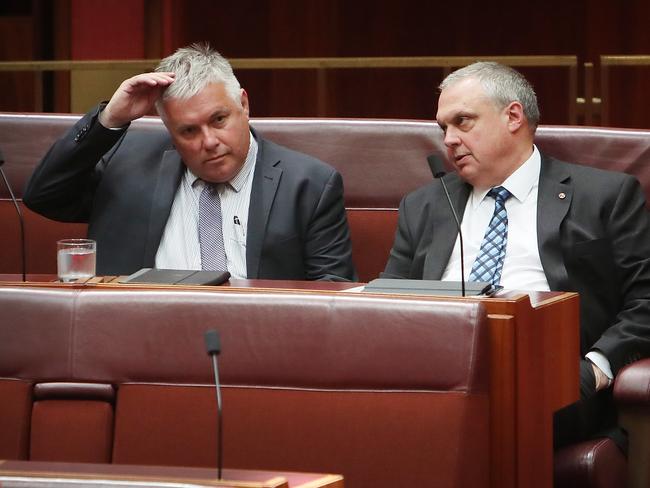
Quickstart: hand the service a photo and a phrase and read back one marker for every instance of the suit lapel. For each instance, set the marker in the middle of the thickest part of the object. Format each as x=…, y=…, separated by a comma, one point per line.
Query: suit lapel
x=443, y=226
x=265, y=186
x=553, y=201
x=169, y=174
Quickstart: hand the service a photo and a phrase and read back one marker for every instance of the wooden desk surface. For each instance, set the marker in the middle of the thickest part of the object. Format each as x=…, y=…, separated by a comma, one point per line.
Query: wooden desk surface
x=87, y=474
x=537, y=298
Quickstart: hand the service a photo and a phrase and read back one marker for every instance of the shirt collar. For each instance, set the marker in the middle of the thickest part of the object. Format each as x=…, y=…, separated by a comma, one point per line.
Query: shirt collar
x=238, y=181
x=520, y=183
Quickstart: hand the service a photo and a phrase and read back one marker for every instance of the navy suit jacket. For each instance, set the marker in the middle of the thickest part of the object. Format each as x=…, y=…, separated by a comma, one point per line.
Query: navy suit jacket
x=297, y=226
x=593, y=233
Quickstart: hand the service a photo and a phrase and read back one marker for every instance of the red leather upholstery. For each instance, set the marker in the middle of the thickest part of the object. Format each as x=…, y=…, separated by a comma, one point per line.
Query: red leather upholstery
x=592, y=464
x=15, y=412
x=385, y=394
x=600, y=463
x=632, y=394
x=380, y=160
x=74, y=430
x=632, y=386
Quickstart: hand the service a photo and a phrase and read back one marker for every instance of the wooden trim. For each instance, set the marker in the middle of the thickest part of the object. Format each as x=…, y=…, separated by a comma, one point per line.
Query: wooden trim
x=625, y=60
x=604, y=94
x=573, y=94
x=321, y=65
x=304, y=63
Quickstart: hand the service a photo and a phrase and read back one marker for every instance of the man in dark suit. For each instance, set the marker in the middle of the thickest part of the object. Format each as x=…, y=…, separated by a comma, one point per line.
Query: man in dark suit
x=561, y=227
x=154, y=199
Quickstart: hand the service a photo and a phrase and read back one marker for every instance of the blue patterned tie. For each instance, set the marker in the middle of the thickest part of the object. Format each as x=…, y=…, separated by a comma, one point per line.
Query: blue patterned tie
x=489, y=261
x=213, y=252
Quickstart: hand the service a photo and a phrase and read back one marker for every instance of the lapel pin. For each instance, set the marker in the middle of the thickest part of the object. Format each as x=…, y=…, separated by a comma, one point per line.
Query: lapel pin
x=561, y=195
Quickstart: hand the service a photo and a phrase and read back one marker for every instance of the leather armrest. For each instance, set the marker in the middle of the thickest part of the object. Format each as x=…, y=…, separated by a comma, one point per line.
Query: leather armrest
x=70, y=390
x=632, y=384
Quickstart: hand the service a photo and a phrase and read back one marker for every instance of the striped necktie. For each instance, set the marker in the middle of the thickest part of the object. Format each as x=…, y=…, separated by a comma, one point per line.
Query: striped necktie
x=489, y=261
x=213, y=252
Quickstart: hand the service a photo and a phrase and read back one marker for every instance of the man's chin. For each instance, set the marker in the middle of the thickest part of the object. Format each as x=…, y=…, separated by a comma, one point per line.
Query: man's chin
x=468, y=174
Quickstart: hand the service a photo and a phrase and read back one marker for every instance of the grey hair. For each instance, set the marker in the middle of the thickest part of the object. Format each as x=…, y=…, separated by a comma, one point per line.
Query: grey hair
x=197, y=66
x=502, y=84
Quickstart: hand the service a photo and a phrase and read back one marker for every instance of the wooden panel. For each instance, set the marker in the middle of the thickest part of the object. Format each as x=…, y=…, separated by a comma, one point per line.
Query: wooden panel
x=502, y=399
x=534, y=361
x=17, y=89
x=290, y=28
x=107, y=30
x=370, y=28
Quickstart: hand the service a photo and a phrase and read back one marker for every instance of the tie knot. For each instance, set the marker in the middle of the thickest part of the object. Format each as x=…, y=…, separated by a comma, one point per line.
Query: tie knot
x=499, y=193
x=211, y=187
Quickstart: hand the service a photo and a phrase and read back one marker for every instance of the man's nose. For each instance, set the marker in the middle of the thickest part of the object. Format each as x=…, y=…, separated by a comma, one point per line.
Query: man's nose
x=210, y=138
x=451, y=137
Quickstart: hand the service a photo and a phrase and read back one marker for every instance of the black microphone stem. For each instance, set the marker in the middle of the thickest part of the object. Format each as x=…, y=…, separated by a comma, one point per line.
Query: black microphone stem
x=213, y=348
x=438, y=172
x=20, y=219
x=460, y=238
x=219, y=417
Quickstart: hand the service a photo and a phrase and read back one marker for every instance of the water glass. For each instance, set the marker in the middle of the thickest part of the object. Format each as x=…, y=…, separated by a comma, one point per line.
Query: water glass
x=75, y=259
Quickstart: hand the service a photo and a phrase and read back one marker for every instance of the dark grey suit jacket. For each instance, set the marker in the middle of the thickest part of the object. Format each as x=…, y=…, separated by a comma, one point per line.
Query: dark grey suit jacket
x=297, y=226
x=594, y=238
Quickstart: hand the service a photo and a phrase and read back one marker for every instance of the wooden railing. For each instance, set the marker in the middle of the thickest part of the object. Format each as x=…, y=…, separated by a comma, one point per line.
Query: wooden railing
x=590, y=105
x=324, y=65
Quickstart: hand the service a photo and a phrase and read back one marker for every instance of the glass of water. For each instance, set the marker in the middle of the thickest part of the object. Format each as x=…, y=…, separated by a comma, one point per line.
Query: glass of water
x=75, y=259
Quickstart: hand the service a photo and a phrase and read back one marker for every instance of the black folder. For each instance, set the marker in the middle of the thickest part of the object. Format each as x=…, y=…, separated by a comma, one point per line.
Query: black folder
x=177, y=277
x=429, y=287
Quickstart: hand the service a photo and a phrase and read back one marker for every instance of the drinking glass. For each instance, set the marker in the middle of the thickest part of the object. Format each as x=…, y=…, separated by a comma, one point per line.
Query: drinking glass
x=75, y=259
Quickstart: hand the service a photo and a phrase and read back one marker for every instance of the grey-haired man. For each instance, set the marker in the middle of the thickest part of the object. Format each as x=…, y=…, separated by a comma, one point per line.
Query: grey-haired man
x=567, y=227
x=281, y=212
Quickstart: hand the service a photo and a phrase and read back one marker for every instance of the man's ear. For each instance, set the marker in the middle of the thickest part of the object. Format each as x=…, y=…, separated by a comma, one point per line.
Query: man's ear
x=244, y=102
x=516, y=118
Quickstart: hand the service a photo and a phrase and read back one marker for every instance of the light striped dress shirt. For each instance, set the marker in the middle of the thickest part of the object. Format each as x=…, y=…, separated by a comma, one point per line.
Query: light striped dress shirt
x=179, y=247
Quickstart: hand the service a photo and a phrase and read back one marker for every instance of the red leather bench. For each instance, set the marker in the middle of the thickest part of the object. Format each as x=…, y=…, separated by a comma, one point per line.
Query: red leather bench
x=380, y=160
x=362, y=386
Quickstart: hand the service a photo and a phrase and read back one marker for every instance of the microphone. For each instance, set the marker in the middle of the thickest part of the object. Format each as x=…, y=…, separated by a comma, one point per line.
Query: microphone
x=20, y=216
x=213, y=348
x=438, y=171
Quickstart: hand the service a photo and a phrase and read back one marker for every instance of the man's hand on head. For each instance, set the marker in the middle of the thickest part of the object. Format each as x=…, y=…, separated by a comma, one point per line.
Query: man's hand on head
x=134, y=98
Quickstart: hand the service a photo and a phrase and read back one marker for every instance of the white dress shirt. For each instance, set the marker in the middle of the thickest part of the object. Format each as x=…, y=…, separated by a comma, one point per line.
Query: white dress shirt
x=522, y=268
x=179, y=247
